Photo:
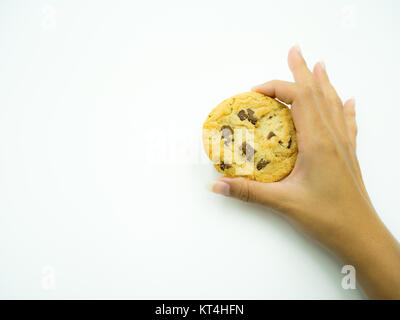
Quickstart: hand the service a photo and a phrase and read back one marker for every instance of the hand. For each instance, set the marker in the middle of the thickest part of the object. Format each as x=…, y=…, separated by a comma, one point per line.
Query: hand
x=325, y=194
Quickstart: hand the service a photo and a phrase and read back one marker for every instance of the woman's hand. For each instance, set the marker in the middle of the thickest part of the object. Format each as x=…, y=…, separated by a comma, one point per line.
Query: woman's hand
x=325, y=194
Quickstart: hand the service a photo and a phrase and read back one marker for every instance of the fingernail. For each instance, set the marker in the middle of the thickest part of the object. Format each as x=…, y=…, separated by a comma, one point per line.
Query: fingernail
x=322, y=64
x=350, y=103
x=219, y=187
x=297, y=48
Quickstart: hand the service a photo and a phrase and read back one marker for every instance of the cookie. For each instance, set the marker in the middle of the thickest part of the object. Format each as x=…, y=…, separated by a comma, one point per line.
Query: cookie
x=253, y=136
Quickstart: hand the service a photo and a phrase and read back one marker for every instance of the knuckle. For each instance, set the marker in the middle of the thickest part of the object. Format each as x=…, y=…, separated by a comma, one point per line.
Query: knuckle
x=252, y=195
x=318, y=91
x=332, y=98
x=351, y=112
x=273, y=83
x=244, y=191
x=314, y=87
x=306, y=91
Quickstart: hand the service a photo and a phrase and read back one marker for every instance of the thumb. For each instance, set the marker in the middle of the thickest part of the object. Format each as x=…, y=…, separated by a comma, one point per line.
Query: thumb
x=248, y=190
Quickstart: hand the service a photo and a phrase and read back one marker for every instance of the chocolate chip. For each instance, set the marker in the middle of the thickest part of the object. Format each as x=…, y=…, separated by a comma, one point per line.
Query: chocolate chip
x=228, y=141
x=253, y=121
x=224, y=166
x=270, y=135
x=262, y=164
x=251, y=116
x=289, y=143
x=247, y=150
x=242, y=115
x=226, y=131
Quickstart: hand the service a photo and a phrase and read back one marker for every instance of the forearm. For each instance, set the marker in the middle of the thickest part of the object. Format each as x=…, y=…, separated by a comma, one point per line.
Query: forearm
x=375, y=254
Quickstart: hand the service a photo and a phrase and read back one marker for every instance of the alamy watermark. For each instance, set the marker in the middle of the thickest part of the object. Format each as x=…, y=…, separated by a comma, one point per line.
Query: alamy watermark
x=349, y=17
x=349, y=280
x=48, y=278
x=49, y=18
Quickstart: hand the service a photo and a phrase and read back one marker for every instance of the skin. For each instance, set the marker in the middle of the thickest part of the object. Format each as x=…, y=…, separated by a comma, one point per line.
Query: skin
x=325, y=195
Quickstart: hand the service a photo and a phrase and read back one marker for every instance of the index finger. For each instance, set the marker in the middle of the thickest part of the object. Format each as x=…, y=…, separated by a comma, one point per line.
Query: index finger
x=282, y=90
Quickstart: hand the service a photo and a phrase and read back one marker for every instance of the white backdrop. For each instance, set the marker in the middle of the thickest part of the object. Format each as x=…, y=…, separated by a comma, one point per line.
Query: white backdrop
x=102, y=175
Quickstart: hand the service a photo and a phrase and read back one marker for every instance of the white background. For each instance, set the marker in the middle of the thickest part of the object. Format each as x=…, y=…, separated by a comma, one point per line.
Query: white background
x=102, y=175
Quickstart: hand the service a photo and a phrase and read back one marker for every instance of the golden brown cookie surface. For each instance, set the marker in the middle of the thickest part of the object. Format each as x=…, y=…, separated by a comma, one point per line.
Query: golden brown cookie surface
x=251, y=135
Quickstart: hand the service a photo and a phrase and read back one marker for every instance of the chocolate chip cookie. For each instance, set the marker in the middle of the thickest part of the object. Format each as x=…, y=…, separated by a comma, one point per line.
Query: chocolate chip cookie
x=253, y=136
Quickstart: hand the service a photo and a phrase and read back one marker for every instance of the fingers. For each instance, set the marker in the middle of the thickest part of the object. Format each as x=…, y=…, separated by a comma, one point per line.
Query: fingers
x=287, y=92
x=350, y=118
x=343, y=117
x=328, y=90
x=316, y=106
x=333, y=107
x=309, y=98
x=301, y=95
x=298, y=66
x=248, y=190
x=282, y=90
